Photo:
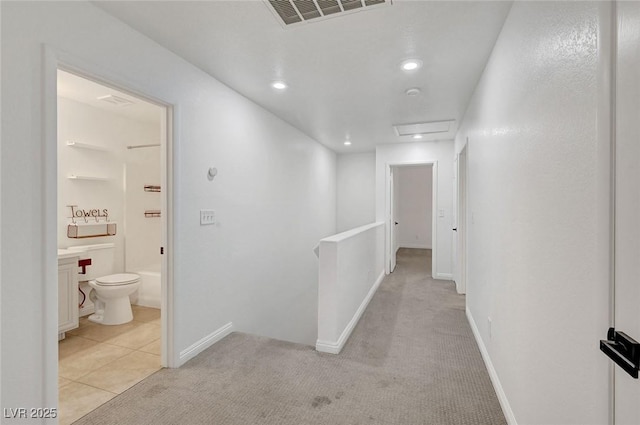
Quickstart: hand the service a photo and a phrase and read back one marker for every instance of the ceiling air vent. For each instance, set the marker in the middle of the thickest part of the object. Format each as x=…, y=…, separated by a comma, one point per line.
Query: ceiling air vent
x=115, y=100
x=300, y=11
x=423, y=128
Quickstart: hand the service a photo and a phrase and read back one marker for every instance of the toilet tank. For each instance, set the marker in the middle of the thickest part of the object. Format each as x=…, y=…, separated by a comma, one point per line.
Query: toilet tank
x=102, y=259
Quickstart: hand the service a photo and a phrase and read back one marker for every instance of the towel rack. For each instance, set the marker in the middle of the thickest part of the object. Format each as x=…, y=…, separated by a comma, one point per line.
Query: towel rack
x=91, y=230
x=151, y=188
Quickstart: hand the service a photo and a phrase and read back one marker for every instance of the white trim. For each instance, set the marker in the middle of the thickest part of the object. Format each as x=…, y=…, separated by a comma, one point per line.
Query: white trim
x=444, y=276
x=204, y=343
x=414, y=246
x=335, y=347
x=49, y=193
x=169, y=159
x=497, y=386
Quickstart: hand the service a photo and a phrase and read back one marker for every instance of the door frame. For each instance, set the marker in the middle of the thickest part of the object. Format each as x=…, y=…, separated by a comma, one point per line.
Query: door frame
x=434, y=209
x=54, y=60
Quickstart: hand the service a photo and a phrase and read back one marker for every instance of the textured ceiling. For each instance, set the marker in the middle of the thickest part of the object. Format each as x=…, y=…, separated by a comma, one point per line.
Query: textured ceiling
x=343, y=73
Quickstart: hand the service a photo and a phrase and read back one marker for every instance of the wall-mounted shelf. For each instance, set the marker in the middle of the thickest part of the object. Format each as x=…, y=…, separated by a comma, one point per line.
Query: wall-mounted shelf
x=86, y=146
x=91, y=230
x=94, y=178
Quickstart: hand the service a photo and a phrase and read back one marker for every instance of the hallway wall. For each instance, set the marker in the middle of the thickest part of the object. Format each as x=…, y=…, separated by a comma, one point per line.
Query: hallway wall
x=537, y=216
x=274, y=195
x=356, y=190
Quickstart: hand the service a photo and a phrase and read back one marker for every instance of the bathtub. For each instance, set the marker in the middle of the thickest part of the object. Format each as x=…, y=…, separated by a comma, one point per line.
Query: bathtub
x=149, y=293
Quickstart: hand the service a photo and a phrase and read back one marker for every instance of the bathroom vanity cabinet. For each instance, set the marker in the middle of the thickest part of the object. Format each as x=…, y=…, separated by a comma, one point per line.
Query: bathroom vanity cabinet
x=67, y=293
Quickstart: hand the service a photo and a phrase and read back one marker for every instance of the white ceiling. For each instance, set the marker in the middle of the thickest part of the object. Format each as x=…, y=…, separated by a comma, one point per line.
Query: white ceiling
x=71, y=86
x=343, y=73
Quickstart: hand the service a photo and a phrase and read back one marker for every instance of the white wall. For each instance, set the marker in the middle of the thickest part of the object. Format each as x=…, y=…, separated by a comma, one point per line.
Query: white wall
x=415, y=206
x=537, y=229
x=274, y=195
x=356, y=190
x=442, y=152
x=80, y=122
x=143, y=234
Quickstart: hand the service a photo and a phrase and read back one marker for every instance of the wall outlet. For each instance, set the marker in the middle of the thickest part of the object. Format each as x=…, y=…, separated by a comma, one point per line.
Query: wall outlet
x=207, y=217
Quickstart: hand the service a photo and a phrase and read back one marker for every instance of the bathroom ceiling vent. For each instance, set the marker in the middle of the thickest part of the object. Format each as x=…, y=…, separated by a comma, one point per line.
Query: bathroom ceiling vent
x=292, y=12
x=116, y=100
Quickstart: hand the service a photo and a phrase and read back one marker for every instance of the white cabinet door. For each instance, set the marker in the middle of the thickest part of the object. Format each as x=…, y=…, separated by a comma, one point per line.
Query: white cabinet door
x=627, y=254
x=67, y=294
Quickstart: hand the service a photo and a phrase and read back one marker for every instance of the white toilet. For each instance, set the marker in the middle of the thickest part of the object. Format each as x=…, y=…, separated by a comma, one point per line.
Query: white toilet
x=110, y=293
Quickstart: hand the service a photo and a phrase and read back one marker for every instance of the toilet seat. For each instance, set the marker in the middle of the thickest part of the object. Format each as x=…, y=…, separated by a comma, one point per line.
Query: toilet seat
x=117, y=279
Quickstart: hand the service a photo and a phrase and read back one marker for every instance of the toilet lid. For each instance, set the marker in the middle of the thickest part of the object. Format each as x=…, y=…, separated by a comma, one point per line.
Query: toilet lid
x=118, y=279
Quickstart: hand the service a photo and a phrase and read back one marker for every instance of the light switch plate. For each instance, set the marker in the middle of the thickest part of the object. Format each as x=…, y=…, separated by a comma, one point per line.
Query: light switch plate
x=207, y=217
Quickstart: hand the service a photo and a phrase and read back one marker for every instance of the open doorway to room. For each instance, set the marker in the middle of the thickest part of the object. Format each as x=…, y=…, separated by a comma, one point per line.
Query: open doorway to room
x=112, y=222
x=411, y=206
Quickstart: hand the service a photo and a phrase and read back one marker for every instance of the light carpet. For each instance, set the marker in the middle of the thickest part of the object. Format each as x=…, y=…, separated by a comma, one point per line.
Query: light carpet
x=411, y=359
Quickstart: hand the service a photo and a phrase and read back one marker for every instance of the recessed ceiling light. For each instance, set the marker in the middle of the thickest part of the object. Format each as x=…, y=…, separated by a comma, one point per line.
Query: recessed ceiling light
x=411, y=64
x=279, y=85
x=417, y=136
x=347, y=143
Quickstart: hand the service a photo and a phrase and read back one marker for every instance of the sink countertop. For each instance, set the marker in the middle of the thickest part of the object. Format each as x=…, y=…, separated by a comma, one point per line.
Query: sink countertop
x=65, y=253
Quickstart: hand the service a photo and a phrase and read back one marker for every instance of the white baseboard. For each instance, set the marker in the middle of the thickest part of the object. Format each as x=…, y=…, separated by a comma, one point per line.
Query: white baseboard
x=414, y=245
x=204, y=343
x=444, y=276
x=497, y=386
x=334, y=347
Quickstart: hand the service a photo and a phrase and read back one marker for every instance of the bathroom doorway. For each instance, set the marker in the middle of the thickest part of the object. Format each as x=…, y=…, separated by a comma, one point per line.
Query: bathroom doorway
x=112, y=164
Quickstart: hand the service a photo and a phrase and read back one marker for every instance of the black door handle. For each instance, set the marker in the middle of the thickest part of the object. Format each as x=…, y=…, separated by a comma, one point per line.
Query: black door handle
x=455, y=229
x=623, y=350
x=396, y=223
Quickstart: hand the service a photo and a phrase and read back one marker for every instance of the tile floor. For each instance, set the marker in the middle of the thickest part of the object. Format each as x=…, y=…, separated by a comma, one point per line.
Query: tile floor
x=98, y=362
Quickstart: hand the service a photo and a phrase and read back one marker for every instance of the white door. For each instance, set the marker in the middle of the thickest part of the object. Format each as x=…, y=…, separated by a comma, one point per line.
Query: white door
x=454, y=241
x=627, y=211
x=460, y=228
x=392, y=221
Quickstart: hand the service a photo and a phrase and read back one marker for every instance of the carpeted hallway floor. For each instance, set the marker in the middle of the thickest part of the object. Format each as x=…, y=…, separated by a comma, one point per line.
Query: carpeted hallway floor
x=412, y=359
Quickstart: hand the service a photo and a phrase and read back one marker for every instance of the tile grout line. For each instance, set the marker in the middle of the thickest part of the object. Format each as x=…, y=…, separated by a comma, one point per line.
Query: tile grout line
x=96, y=343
